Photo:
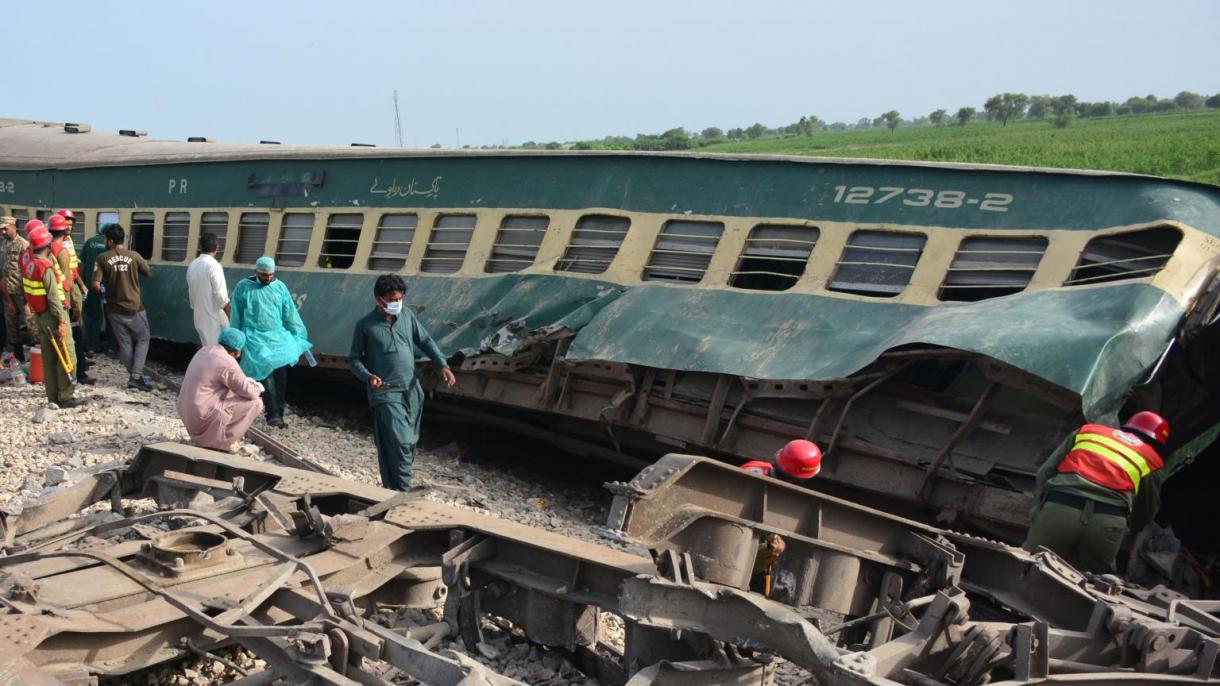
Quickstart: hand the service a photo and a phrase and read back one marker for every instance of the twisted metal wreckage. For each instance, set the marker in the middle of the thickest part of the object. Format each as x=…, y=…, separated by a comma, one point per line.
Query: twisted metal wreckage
x=288, y=563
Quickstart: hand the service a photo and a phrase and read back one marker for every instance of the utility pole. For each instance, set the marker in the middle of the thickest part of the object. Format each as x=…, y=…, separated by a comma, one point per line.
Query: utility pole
x=397, y=120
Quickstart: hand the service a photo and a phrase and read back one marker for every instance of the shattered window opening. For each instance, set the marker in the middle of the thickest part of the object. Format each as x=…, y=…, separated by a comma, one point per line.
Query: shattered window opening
x=683, y=251
x=877, y=263
x=392, y=242
x=517, y=243
x=774, y=257
x=594, y=245
x=217, y=224
x=295, y=232
x=143, y=226
x=1125, y=256
x=992, y=266
x=173, y=236
x=251, y=236
x=342, y=237
x=447, y=243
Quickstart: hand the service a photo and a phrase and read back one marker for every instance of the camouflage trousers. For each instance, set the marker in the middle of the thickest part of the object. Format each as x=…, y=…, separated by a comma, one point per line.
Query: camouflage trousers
x=16, y=319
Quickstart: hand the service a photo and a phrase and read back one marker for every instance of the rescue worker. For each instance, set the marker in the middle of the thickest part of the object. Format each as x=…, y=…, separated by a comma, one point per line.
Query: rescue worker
x=68, y=265
x=46, y=294
x=93, y=320
x=78, y=279
x=383, y=357
x=119, y=269
x=208, y=293
x=276, y=338
x=796, y=462
x=218, y=402
x=16, y=313
x=1087, y=486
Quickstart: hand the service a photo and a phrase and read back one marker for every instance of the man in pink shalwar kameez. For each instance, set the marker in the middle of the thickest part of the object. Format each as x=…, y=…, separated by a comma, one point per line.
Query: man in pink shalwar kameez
x=218, y=402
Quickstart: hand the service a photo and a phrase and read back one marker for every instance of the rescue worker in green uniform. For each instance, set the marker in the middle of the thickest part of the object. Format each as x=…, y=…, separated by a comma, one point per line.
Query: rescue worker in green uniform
x=383, y=357
x=1088, y=487
x=46, y=293
x=93, y=319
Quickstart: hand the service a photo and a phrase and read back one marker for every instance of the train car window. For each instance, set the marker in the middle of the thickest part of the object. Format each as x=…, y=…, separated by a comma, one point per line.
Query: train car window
x=392, y=242
x=78, y=227
x=683, y=251
x=517, y=243
x=295, y=232
x=594, y=244
x=991, y=266
x=342, y=237
x=251, y=237
x=22, y=216
x=447, y=243
x=877, y=263
x=774, y=257
x=1123, y=256
x=140, y=238
x=217, y=224
x=42, y=214
x=173, y=236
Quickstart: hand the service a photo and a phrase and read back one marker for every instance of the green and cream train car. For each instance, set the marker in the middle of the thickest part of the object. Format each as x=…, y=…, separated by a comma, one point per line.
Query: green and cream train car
x=936, y=328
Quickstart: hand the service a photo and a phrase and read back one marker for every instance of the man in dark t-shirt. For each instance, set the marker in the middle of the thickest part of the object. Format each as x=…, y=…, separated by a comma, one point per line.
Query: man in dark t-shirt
x=117, y=272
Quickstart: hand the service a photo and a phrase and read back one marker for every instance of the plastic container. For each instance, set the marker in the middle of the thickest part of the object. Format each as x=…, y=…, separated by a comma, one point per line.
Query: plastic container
x=35, y=359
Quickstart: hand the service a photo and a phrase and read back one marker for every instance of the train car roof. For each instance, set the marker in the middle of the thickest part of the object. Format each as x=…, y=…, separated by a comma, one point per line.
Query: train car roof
x=38, y=145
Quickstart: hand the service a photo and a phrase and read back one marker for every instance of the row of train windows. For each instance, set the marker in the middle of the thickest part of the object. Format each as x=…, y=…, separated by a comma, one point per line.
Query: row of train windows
x=876, y=263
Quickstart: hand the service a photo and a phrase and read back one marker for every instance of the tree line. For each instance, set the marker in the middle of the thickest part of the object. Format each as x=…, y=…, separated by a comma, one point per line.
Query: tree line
x=1058, y=110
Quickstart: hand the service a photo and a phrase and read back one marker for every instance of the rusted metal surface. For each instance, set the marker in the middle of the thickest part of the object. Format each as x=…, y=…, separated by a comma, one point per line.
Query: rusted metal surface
x=291, y=565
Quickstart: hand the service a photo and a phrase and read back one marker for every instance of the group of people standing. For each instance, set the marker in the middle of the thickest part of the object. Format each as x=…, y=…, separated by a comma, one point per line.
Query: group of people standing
x=47, y=300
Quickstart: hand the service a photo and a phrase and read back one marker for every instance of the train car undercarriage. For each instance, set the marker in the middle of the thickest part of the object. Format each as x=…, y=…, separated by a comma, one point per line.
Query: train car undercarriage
x=289, y=564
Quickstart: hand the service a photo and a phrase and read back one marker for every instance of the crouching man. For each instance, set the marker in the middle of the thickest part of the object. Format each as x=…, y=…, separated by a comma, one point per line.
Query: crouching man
x=218, y=402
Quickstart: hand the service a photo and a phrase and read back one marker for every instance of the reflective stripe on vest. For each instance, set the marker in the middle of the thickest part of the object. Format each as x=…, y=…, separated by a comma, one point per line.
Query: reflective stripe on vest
x=73, y=261
x=33, y=270
x=1111, y=458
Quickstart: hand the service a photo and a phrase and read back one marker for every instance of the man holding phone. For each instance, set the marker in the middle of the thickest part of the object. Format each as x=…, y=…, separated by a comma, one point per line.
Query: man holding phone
x=383, y=357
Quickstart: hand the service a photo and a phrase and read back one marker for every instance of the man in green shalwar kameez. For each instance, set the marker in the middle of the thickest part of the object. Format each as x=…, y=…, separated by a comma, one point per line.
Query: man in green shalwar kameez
x=383, y=357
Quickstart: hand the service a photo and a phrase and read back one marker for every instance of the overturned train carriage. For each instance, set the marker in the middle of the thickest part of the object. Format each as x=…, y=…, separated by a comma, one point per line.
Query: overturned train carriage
x=291, y=565
x=937, y=328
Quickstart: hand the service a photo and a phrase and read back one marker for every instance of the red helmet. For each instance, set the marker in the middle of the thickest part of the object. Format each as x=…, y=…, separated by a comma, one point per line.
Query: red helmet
x=1149, y=425
x=58, y=224
x=800, y=459
x=39, y=237
x=757, y=467
x=33, y=225
x=67, y=214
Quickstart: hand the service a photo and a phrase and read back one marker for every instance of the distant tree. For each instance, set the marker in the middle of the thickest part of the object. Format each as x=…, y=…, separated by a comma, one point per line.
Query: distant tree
x=1165, y=105
x=891, y=119
x=675, y=139
x=841, y=126
x=711, y=133
x=964, y=115
x=435, y=146
x=1188, y=101
x=1213, y=101
x=864, y=123
x=585, y=145
x=938, y=117
x=1006, y=106
x=1064, y=104
x=1096, y=109
x=735, y=134
x=756, y=131
x=553, y=145
x=1039, y=106
x=529, y=145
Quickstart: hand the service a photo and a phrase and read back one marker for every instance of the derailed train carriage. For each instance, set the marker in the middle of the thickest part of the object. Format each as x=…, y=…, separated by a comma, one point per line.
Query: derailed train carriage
x=937, y=328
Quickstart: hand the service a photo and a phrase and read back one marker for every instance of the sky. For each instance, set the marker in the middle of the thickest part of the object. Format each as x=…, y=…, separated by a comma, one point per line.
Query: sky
x=492, y=73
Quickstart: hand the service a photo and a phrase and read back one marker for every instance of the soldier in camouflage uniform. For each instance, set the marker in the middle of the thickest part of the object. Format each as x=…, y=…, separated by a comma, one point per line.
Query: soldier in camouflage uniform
x=16, y=313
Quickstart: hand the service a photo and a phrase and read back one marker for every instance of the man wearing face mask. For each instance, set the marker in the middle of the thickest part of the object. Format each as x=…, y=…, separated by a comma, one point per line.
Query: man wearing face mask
x=218, y=402
x=262, y=309
x=383, y=357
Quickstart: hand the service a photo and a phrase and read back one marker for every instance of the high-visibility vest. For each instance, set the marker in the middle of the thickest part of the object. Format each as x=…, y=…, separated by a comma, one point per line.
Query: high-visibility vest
x=33, y=270
x=73, y=261
x=1110, y=457
x=58, y=248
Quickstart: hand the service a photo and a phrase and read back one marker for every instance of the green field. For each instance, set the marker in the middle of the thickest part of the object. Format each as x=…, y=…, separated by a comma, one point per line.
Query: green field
x=1183, y=146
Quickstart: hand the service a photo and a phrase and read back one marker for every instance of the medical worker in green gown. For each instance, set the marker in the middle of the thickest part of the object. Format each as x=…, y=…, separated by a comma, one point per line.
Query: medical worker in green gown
x=383, y=357
x=276, y=337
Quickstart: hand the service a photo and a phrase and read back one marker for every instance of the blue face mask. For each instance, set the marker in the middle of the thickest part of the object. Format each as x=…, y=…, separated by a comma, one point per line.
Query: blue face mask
x=393, y=308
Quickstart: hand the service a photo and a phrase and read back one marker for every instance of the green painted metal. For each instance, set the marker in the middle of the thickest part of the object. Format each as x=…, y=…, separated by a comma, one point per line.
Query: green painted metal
x=1094, y=342
x=671, y=185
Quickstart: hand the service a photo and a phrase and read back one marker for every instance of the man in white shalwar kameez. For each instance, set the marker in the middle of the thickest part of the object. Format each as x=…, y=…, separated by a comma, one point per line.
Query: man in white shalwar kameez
x=205, y=282
x=218, y=402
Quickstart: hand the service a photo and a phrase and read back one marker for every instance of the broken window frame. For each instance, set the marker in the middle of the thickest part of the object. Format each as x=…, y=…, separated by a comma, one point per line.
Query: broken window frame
x=1126, y=264
x=343, y=231
x=759, y=249
x=683, y=251
x=142, y=234
x=593, y=236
